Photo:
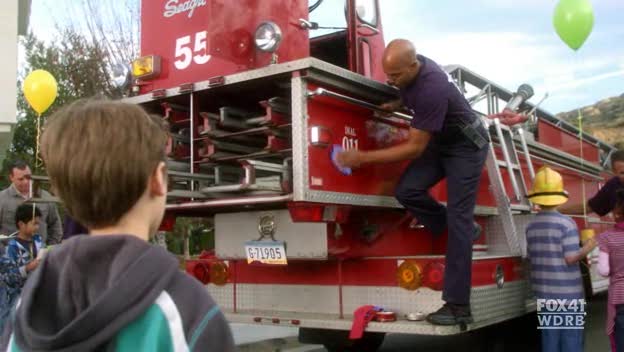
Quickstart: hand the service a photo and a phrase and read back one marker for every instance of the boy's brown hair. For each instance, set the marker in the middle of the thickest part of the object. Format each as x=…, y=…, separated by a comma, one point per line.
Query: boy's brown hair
x=99, y=155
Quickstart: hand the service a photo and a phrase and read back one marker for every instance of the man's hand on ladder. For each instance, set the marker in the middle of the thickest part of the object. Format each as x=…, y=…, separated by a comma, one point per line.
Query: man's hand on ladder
x=509, y=118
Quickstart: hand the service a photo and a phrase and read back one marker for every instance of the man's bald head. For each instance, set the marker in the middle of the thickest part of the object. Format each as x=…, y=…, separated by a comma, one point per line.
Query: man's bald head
x=399, y=52
x=400, y=62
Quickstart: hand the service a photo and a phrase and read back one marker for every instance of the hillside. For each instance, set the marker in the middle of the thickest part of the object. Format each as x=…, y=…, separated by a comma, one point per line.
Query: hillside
x=604, y=120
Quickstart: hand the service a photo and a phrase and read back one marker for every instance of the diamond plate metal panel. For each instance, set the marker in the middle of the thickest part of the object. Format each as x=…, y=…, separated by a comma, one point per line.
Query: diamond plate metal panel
x=300, y=137
x=223, y=295
x=486, y=302
x=351, y=198
x=312, y=306
x=497, y=239
x=288, y=298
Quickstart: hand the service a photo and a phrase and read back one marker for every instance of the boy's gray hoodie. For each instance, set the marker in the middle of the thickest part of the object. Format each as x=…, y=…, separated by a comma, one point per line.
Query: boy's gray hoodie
x=115, y=293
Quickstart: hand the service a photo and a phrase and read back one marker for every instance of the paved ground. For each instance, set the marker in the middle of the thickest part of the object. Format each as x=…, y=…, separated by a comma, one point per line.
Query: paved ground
x=518, y=335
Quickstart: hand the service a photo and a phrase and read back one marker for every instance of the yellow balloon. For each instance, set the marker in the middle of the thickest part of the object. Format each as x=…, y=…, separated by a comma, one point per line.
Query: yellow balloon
x=40, y=90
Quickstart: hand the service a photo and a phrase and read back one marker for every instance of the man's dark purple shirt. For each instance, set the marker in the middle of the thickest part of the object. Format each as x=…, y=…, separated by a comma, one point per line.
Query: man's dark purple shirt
x=604, y=201
x=433, y=99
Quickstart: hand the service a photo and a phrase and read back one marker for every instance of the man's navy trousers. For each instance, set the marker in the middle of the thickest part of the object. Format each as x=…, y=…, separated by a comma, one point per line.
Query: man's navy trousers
x=452, y=155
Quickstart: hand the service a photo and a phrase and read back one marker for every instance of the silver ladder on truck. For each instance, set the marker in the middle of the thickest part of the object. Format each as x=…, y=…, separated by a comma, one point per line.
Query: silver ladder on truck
x=507, y=205
x=509, y=139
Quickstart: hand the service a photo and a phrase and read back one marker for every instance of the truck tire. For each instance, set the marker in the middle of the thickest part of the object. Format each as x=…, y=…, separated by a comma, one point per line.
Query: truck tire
x=338, y=340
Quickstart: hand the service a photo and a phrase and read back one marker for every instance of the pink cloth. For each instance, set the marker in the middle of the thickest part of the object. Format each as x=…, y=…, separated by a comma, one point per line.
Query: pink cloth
x=612, y=242
x=361, y=317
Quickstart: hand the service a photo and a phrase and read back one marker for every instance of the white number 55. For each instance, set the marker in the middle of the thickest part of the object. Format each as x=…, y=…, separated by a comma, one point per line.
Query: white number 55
x=183, y=52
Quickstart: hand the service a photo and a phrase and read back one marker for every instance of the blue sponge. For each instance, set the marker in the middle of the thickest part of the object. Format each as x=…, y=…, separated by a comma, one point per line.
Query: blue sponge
x=337, y=148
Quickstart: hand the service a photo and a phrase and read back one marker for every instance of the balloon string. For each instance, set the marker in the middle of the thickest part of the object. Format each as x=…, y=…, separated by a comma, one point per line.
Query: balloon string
x=576, y=61
x=38, y=161
x=580, y=122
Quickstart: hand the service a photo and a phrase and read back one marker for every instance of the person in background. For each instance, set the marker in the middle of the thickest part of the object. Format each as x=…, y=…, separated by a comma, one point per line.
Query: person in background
x=17, y=193
x=611, y=265
x=112, y=290
x=604, y=200
x=554, y=253
x=23, y=252
x=10, y=285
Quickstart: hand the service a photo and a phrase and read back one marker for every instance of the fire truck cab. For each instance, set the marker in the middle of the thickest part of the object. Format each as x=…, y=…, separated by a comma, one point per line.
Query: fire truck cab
x=255, y=105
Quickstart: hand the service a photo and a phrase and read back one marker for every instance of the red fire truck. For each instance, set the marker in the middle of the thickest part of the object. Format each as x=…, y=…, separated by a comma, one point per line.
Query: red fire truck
x=255, y=102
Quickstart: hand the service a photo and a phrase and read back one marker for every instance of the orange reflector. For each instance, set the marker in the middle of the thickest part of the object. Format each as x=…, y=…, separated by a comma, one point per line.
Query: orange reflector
x=409, y=275
x=219, y=273
x=146, y=67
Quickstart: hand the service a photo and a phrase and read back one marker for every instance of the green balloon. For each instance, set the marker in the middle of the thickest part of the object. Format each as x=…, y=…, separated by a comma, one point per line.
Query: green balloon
x=574, y=20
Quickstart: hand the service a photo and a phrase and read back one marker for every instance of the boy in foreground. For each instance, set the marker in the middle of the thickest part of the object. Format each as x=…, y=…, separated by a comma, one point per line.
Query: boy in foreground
x=111, y=290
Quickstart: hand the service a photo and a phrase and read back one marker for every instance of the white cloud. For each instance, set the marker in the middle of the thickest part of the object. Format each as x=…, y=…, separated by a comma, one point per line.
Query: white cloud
x=511, y=4
x=541, y=4
x=579, y=82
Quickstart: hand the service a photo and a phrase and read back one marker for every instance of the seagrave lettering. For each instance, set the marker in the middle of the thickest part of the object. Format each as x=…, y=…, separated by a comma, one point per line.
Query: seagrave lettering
x=173, y=7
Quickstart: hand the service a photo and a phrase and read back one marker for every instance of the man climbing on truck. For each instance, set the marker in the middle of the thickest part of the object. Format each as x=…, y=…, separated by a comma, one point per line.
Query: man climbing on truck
x=446, y=139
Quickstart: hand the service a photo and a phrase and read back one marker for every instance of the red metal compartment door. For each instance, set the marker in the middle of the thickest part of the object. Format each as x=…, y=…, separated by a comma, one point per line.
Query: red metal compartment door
x=351, y=127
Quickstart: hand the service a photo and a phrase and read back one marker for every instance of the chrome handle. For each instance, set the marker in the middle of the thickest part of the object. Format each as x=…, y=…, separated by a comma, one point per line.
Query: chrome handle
x=329, y=93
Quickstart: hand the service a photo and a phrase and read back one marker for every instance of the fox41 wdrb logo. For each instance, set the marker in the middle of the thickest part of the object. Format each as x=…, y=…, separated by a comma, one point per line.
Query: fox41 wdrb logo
x=561, y=313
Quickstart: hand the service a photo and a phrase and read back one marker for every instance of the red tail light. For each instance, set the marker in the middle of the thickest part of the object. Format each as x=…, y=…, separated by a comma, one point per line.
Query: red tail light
x=311, y=212
x=209, y=271
x=433, y=275
x=168, y=222
x=306, y=212
x=199, y=270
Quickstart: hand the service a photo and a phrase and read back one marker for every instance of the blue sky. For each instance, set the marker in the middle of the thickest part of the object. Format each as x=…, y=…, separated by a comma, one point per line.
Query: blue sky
x=507, y=41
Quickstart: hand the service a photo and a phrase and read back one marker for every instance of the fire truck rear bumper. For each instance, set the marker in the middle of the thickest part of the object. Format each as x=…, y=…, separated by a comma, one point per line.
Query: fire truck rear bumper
x=489, y=304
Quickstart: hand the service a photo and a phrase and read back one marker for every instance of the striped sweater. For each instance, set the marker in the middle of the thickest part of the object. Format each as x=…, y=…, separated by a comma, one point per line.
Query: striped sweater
x=551, y=237
x=612, y=243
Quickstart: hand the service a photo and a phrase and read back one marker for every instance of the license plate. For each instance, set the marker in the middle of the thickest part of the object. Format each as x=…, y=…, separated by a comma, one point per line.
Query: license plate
x=266, y=252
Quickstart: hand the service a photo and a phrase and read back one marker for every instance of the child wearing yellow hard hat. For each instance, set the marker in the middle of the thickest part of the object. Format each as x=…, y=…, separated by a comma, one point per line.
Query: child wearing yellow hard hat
x=554, y=253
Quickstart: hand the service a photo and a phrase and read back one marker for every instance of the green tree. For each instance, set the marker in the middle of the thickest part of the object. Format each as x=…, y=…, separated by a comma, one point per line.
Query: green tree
x=80, y=68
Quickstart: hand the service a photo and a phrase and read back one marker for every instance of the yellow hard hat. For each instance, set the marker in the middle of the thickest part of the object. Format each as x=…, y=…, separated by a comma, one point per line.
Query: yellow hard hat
x=548, y=188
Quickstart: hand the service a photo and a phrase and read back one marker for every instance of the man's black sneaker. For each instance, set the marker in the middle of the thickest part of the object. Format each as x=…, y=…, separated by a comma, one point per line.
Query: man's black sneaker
x=451, y=314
